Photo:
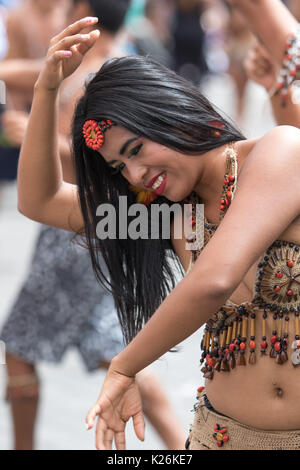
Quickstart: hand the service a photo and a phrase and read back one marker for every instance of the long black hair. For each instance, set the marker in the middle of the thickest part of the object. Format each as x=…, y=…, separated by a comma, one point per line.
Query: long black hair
x=151, y=101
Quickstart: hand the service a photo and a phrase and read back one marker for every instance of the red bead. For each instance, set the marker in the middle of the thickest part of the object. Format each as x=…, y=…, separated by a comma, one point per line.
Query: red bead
x=219, y=443
x=216, y=427
x=222, y=201
x=210, y=361
x=222, y=207
x=243, y=346
x=276, y=288
x=263, y=345
x=292, y=73
x=226, y=182
x=227, y=202
x=273, y=339
x=252, y=344
x=200, y=389
x=225, y=438
x=229, y=194
x=290, y=263
x=279, y=274
x=298, y=344
x=231, y=178
x=231, y=347
x=290, y=292
x=277, y=346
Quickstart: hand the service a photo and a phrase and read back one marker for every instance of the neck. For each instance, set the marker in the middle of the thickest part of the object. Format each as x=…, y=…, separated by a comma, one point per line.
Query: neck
x=212, y=170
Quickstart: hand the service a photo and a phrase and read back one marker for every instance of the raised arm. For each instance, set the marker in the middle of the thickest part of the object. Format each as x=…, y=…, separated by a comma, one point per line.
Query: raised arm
x=42, y=194
x=261, y=68
x=270, y=20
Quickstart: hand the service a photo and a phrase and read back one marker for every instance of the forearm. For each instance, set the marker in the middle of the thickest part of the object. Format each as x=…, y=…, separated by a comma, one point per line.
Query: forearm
x=40, y=172
x=182, y=313
x=270, y=20
x=11, y=70
x=288, y=114
x=66, y=159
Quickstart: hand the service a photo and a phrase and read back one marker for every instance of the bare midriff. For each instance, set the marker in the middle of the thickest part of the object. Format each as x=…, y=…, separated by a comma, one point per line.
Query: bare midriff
x=264, y=395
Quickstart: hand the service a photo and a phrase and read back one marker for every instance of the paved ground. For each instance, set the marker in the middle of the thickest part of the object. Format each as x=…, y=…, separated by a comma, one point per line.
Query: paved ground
x=68, y=391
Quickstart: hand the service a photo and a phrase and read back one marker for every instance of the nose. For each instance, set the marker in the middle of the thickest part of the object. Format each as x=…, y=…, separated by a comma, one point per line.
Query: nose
x=136, y=174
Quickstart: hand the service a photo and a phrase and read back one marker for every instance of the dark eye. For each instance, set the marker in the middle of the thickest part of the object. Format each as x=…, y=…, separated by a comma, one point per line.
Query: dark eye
x=135, y=151
x=118, y=169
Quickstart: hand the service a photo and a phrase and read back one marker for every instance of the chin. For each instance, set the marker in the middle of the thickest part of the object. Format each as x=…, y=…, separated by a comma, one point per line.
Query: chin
x=175, y=196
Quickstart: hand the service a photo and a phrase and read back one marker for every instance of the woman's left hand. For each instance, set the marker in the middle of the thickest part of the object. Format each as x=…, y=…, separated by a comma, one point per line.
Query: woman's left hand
x=119, y=401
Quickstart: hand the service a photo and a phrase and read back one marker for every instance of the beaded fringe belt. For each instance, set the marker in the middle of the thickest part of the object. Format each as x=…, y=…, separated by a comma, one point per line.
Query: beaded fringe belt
x=232, y=330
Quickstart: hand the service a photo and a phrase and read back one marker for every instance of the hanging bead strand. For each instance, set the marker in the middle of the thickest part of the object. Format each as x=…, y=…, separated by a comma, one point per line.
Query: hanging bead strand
x=274, y=336
x=252, y=345
x=264, y=344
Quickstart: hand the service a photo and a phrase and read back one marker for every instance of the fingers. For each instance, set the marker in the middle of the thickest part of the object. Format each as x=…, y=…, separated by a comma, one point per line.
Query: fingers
x=74, y=28
x=66, y=43
x=104, y=436
x=83, y=47
x=108, y=439
x=101, y=431
x=90, y=419
x=120, y=440
x=139, y=426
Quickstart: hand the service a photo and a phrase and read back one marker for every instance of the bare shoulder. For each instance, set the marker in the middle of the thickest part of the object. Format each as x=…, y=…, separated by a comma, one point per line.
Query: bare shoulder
x=281, y=141
x=275, y=155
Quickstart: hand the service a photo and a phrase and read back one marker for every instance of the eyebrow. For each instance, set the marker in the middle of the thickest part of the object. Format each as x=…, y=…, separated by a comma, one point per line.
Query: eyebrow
x=124, y=148
x=129, y=141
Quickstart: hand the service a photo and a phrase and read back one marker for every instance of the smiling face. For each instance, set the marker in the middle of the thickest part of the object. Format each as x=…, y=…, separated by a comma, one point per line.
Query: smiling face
x=149, y=165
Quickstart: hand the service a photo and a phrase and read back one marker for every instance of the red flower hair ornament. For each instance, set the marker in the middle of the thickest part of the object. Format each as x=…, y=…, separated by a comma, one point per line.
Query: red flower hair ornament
x=94, y=133
x=94, y=137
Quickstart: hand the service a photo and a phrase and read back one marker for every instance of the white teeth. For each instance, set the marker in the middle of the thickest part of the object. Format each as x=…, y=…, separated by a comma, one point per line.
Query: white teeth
x=159, y=181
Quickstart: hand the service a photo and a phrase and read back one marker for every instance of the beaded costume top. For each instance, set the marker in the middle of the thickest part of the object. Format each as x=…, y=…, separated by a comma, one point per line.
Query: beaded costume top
x=231, y=331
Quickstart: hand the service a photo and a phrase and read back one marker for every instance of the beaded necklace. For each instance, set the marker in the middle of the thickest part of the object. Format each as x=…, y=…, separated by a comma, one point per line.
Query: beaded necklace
x=229, y=188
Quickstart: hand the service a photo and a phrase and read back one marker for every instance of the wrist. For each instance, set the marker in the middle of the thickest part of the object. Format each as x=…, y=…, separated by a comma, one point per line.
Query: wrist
x=119, y=365
x=39, y=88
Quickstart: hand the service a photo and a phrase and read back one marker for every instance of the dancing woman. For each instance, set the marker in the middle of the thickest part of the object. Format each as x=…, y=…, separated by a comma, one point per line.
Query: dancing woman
x=140, y=124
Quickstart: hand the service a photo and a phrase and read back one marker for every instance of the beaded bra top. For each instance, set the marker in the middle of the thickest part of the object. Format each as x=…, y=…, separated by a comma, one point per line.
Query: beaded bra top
x=230, y=334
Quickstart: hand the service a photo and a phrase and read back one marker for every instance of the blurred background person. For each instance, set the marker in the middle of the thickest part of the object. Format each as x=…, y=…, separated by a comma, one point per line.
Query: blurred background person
x=189, y=39
x=61, y=305
x=238, y=41
x=29, y=28
x=150, y=33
